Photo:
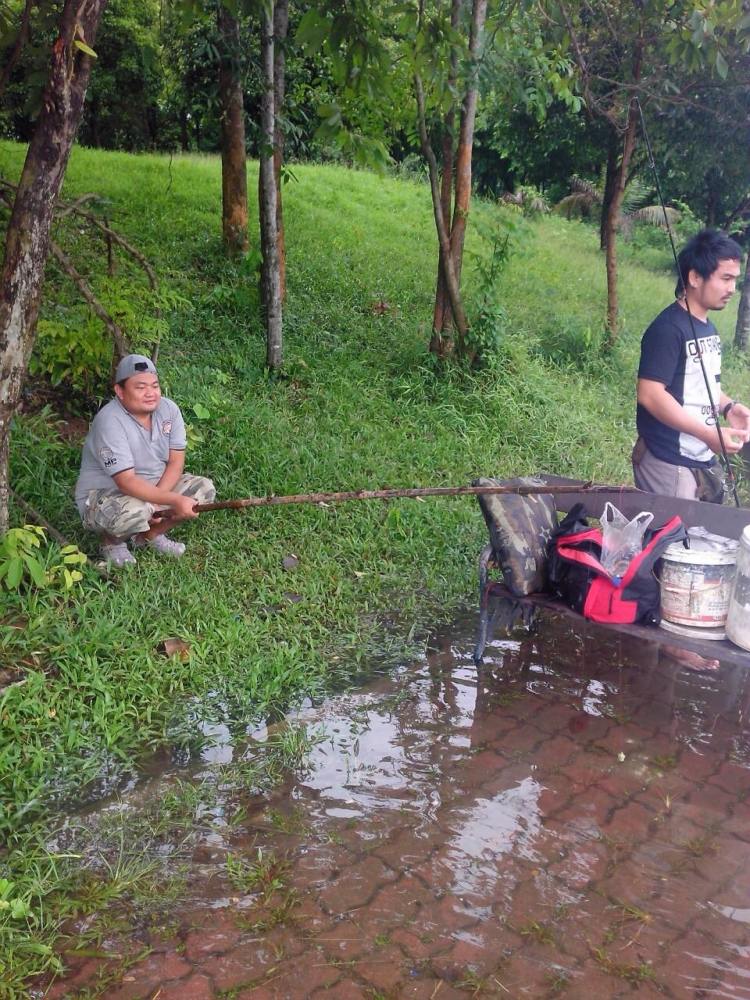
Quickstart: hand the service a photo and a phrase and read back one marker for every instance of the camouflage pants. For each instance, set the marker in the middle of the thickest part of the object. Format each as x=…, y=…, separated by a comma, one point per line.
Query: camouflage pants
x=112, y=513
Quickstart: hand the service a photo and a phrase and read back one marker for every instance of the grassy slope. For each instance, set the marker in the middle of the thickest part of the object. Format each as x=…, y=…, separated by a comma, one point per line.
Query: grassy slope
x=361, y=408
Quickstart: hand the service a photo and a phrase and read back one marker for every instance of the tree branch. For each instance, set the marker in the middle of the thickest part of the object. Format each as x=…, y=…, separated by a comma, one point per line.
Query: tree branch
x=21, y=39
x=84, y=288
x=63, y=210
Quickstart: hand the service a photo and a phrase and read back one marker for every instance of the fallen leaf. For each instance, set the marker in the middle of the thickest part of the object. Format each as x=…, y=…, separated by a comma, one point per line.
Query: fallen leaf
x=175, y=647
x=380, y=307
x=359, y=574
x=290, y=562
x=293, y=598
x=270, y=609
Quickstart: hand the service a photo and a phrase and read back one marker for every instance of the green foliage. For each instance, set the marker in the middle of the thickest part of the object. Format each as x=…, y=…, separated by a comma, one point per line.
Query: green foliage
x=12, y=906
x=488, y=317
x=572, y=344
x=71, y=348
x=19, y=557
x=23, y=564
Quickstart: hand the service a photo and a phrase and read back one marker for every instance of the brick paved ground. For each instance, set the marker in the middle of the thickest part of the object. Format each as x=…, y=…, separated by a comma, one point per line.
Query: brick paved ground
x=571, y=821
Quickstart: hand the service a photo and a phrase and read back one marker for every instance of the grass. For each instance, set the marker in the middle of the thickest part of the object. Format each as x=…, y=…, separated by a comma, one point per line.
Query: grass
x=359, y=405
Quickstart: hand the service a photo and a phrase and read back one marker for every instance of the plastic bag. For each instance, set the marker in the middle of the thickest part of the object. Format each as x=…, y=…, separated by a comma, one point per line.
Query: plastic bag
x=621, y=539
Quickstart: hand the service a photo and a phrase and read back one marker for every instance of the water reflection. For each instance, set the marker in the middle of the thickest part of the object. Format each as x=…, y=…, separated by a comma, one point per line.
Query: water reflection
x=570, y=815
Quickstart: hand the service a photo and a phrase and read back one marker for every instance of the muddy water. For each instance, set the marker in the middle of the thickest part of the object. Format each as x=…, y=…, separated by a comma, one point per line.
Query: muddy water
x=570, y=820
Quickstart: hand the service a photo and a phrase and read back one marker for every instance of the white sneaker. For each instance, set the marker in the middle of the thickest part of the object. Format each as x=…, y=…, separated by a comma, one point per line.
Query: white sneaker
x=118, y=554
x=162, y=544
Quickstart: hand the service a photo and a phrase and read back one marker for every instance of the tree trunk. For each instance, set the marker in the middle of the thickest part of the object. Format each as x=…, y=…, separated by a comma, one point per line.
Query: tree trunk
x=466, y=143
x=28, y=235
x=280, y=29
x=613, y=215
x=233, y=168
x=270, y=274
x=610, y=180
x=452, y=243
x=441, y=342
x=451, y=282
x=742, y=330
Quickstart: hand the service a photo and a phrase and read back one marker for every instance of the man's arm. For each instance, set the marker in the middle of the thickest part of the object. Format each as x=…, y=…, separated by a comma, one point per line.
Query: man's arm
x=662, y=405
x=133, y=486
x=173, y=470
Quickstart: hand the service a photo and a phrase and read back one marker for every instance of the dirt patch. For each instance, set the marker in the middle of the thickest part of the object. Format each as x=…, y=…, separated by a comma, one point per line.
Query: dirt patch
x=69, y=405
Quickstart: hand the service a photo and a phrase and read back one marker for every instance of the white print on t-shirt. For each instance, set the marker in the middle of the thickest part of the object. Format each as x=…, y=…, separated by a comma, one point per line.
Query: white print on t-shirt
x=694, y=395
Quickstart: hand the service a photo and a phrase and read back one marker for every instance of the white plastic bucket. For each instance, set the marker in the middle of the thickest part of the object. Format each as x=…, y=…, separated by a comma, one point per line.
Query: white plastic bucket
x=696, y=584
x=738, y=616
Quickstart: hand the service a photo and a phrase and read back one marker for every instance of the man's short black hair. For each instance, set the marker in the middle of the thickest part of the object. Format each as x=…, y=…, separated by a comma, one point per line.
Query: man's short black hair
x=703, y=253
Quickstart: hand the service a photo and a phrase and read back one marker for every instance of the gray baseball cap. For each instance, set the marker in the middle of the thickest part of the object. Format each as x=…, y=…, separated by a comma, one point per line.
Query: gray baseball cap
x=134, y=364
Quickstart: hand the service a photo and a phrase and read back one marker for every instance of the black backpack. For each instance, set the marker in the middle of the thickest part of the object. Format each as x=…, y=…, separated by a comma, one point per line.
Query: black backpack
x=578, y=578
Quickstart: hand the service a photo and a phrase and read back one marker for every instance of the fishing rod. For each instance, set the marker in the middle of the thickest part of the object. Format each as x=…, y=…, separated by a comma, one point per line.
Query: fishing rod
x=392, y=494
x=681, y=280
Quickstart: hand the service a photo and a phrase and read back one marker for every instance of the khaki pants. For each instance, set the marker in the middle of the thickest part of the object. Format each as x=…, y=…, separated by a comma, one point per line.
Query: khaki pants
x=109, y=512
x=655, y=476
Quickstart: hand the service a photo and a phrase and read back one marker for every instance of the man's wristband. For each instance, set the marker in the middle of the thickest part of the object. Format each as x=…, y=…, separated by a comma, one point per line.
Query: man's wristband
x=727, y=408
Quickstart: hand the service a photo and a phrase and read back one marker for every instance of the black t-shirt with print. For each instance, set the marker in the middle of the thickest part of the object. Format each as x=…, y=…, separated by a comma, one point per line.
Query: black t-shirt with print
x=669, y=355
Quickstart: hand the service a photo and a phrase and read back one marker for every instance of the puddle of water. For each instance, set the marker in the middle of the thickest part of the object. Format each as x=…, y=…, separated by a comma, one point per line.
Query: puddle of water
x=569, y=820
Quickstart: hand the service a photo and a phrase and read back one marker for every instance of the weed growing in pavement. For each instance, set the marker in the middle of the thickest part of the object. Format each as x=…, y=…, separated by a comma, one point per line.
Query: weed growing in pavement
x=289, y=747
x=558, y=983
x=281, y=914
x=266, y=875
x=537, y=931
x=641, y=972
x=631, y=919
x=664, y=762
x=700, y=846
x=472, y=982
x=293, y=822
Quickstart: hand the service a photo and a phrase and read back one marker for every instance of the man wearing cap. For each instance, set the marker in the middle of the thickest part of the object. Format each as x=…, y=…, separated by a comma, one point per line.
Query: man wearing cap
x=133, y=465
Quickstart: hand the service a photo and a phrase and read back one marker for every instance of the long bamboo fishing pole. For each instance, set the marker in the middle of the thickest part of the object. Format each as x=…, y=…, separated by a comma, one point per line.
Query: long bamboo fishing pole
x=427, y=491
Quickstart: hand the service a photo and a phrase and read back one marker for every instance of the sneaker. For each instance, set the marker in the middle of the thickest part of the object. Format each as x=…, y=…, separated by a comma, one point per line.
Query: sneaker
x=117, y=553
x=161, y=544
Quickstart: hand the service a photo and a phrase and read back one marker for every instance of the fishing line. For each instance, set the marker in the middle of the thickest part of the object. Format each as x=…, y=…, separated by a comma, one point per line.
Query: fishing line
x=699, y=352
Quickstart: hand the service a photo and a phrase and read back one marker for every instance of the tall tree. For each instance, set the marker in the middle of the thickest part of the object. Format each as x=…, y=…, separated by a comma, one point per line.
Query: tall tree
x=280, y=31
x=270, y=269
x=232, y=115
x=742, y=330
x=651, y=49
x=28, y=234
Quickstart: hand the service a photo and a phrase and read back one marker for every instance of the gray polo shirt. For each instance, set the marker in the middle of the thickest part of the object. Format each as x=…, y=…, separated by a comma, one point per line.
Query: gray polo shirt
x=116, y=442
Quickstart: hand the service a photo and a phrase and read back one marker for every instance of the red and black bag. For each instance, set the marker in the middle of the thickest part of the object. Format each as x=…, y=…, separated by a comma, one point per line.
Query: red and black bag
x=577, y=576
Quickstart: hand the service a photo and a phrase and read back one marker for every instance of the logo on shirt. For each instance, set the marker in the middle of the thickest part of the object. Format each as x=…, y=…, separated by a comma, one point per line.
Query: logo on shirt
x=166, y=427
x=107, y=457
x=707, y=345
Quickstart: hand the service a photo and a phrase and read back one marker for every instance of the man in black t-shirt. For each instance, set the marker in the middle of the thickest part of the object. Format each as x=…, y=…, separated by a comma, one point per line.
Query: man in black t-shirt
x=678, y=438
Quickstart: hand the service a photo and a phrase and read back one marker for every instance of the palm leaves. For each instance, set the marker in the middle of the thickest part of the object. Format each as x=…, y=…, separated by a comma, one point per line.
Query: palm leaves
x=586, y=199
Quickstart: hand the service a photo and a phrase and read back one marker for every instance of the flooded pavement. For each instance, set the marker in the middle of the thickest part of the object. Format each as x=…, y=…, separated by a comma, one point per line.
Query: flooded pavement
x=570, y=820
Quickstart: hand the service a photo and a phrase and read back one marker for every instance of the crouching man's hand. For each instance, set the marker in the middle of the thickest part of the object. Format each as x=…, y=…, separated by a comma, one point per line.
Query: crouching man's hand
x=182, y=508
